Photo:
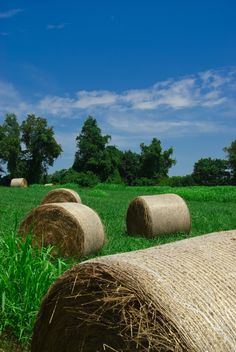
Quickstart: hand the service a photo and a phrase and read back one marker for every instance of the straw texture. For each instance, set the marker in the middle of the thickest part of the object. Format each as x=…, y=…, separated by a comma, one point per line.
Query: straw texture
x=61, y=195
x=158, y=215
x=175, y=297
x=72, y=229
x=19, y=182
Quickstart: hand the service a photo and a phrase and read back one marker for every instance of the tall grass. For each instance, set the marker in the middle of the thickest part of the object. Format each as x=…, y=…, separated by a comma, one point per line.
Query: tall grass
x=25, y=275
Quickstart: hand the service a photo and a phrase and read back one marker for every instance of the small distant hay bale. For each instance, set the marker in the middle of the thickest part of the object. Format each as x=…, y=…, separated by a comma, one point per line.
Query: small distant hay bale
x=158, y=215
x=61, y=195
x=48, y=184
x=72, y=229
x=177, y=297
x=19, y=182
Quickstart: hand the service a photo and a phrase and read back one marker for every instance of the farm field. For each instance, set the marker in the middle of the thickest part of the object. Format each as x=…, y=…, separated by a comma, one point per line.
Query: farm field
x=26, y=273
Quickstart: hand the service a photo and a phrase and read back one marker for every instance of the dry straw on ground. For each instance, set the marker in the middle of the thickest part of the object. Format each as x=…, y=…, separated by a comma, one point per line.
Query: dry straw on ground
x=175, y=297
x=19, y=182
x=72, y=229
x=157, y=215
x=61, y=195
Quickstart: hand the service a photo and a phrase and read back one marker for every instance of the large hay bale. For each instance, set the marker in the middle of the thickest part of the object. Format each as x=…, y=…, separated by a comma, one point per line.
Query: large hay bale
x=157, y=215
x=175, y=297
x=19, y=182
x=61, y=195
x=72, y=229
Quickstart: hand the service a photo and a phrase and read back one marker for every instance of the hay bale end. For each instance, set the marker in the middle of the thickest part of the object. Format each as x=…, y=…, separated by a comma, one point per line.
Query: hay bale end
x=72, y=229
x=177, y=297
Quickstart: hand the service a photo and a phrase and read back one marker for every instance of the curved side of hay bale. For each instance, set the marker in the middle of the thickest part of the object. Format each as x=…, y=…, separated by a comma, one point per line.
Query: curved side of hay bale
x=72, y=229
x=158, y=215
x=19, y=182
x=175, y=297
x=61, y=195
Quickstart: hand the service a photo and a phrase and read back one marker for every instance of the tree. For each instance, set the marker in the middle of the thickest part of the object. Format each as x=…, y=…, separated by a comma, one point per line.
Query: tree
x=211, y=172
x=129, y=166
x=10, y=147
x=155, y=163
x=91, y=147
x=231, y=154
x=41, y=148
x=110, y=163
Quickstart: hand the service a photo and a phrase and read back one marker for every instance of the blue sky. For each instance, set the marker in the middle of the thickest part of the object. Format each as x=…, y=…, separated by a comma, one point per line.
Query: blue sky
x=143, y=69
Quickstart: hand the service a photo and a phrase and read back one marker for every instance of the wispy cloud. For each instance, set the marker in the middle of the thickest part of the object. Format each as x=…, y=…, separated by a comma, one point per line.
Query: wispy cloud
x=11, y=100
x=192, y=104
x=206, y=89
x=10, y=13
x=56, y=26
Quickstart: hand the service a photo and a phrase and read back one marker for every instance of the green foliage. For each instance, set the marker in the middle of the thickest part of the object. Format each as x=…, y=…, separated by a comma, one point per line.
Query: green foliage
x=231, y=154
x=91, y=146
x=211, y=172
x=10, y=148
x=84, y=179
x=155, y=163
x=129, y=167
x=58, y=177
x=87, y=179
x=41, y=147
x=27, y=149
x=144, y=181
x=178, y=181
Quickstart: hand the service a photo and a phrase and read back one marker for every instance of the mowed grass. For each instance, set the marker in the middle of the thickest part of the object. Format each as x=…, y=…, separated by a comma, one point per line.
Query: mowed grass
x=26, y=273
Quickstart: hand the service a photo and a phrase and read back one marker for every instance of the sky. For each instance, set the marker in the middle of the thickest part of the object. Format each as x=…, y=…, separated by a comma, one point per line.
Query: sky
x=142, y=68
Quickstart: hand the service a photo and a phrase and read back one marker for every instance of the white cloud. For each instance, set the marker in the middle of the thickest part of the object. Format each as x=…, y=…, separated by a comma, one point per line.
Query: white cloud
x=149, y=126
x=206, y=89
x=175, y=106
x=10, y=13
x=87, y=100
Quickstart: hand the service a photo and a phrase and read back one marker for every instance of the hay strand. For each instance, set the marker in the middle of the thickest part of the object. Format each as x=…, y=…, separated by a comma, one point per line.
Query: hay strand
x=19, y=182
x=61, y=195
x=178, y=297
x=158, y=215
x=72, y=229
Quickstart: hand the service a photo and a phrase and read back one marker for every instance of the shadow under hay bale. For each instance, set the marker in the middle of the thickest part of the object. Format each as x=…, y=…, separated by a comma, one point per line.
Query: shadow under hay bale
x=61, y=195
x=158, y=215
x=19, y=182
x=72, y=229
x=175, y=297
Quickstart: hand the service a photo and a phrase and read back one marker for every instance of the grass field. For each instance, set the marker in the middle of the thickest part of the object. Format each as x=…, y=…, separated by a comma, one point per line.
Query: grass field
x=26, y=273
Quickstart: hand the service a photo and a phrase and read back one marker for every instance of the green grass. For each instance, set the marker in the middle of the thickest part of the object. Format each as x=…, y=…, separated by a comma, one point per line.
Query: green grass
x=26, y=273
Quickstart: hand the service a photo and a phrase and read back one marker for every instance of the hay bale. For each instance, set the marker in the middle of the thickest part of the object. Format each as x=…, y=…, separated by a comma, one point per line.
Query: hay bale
x=61, y=195
x=72, y=229
x=19, y=182
x=48, y=184
x=175, y=297
x=157, y=215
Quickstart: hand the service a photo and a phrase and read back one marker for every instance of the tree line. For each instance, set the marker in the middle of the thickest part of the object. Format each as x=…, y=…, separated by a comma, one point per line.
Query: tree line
x=29, y=148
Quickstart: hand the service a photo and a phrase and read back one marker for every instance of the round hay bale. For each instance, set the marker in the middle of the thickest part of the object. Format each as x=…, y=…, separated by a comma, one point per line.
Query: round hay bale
x=175, y=297
x=19, y=182
x=72, y=229
x=157, y=215
x=61, y=195
x=48, y=184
